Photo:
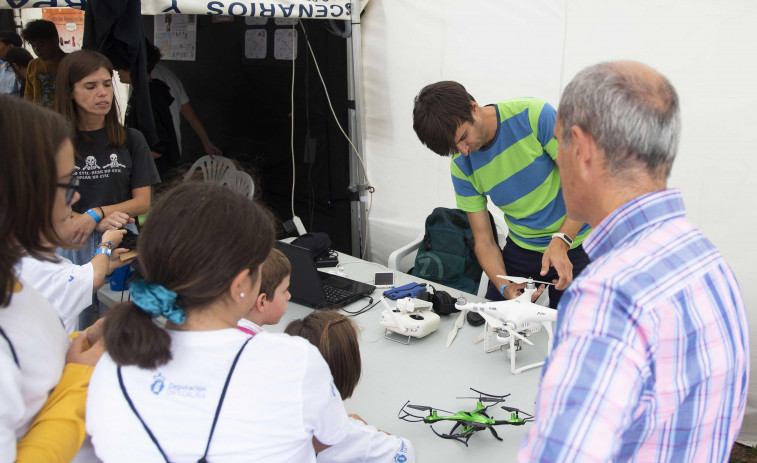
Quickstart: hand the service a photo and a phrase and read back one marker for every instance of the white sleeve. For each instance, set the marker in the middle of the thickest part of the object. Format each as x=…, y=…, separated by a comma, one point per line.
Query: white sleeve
x=66, y=285
x=12, y=403
x=322, y=409
x=364, y=443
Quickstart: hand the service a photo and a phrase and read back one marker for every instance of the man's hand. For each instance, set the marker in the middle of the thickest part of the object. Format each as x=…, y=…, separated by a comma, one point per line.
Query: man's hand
x=113, y=221
x=556, y=255
x=211, y=149
x=115, y=259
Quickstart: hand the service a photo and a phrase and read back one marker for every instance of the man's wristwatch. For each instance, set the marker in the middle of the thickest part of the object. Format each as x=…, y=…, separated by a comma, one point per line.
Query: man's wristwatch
x=564, y=237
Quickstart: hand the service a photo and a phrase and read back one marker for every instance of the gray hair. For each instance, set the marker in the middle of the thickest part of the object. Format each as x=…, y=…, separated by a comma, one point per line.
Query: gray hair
x=633, y=117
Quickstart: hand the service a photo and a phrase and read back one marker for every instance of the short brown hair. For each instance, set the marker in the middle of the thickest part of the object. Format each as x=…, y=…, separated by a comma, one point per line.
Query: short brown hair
x=32, y=138
x=174, y=253
x=276, y=267
x=73, y=68
x=336, y=338
x=439, y=110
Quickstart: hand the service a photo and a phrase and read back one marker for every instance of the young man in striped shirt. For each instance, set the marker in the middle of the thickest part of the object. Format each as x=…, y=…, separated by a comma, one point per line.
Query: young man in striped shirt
x=651, y=351
x=505, y=152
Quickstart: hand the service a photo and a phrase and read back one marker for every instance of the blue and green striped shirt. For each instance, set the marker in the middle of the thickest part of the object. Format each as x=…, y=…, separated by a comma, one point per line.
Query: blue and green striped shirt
x=517, y=171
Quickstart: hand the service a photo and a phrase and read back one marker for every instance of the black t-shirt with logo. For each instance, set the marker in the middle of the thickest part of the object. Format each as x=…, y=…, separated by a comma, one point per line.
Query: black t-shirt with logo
x=108, y=174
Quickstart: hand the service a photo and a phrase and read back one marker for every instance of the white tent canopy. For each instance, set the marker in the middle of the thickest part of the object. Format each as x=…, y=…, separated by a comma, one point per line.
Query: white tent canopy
x=501, y=49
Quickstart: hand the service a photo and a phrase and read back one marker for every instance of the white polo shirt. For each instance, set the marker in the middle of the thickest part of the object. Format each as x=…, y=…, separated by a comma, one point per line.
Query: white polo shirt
x=366, y=444
x=280, y=396
x=66, y=285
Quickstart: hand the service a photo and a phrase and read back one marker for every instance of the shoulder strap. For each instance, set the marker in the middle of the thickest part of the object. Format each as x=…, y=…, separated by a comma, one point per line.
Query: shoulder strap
x=134, y=409
x=10, y=344
x=220, y=401
x=215, y=418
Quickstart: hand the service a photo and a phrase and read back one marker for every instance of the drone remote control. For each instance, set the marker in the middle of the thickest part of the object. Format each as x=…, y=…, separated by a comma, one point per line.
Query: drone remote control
x=410, y=318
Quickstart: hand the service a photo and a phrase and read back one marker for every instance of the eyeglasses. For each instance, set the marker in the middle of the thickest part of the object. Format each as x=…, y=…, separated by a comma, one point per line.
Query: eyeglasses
x=71, y=189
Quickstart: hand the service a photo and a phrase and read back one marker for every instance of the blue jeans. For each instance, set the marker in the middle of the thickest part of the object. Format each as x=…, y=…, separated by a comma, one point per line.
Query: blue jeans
x=525, y=263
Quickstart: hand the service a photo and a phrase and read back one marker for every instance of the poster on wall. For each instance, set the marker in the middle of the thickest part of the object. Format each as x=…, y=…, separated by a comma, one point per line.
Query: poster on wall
x=176, y=36
x=70, y=25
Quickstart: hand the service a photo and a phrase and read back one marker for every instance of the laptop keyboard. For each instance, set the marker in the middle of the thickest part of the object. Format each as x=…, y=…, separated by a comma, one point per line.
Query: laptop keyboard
x=335, y=295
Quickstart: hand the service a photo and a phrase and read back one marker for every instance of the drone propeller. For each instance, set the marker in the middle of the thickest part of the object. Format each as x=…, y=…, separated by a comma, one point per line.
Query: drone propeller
x=515, y=410
x=490, y=395
x=518, y=280
x=498, y=324
x=426, y=407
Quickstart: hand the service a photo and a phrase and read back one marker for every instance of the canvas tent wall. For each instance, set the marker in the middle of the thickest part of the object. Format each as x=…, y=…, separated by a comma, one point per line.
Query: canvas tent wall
x=501, y=49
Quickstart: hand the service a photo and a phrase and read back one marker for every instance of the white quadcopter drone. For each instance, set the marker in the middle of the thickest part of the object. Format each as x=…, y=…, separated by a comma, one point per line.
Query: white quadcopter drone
x=514, y=320
x=412, y=318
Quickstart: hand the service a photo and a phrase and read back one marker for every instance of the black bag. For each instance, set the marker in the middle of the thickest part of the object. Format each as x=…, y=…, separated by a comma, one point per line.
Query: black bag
x=318, y=243
x=447, y=253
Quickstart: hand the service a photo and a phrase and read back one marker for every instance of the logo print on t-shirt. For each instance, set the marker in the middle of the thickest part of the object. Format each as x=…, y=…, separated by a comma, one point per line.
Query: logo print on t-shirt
x=91, y=163
x=47, y=88
x=114, y=162
x=158, y=384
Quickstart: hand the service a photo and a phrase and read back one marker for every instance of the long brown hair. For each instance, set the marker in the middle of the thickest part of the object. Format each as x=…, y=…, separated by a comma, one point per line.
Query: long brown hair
x=336, y=338
x=31, y=138
x=73, y=68
x=197, y=238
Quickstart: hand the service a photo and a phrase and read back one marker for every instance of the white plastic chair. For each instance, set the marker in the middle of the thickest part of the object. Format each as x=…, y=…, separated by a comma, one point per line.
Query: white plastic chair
x=240, y=182
x=396, y=257
x=213, y=169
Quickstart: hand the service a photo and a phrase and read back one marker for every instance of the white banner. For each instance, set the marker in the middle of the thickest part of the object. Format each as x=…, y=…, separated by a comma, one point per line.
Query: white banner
x=320, y=9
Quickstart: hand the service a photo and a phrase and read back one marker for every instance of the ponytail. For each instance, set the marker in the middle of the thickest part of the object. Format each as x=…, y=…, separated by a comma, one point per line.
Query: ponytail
x=132, y=337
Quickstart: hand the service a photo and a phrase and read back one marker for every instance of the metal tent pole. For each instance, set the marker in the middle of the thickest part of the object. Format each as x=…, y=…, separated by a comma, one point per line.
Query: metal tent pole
x=356, y=121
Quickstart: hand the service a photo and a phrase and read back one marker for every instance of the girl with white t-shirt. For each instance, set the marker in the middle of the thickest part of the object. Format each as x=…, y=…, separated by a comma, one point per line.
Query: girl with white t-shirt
x=179, y=381
x=44, y=377
x=336, y=338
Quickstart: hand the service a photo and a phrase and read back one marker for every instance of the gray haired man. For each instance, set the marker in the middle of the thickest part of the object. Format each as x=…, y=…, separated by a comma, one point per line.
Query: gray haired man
x=651, y=351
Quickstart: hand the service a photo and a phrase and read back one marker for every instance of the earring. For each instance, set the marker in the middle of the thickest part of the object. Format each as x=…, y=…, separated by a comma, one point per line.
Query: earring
x=241, y=295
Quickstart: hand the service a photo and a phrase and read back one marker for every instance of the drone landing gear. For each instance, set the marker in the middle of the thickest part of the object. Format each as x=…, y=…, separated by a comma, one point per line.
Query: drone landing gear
x=466, y=433
x=396, y=337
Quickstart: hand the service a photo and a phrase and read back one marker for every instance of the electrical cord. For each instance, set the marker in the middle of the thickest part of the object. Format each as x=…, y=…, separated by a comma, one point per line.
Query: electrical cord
x=357, y=153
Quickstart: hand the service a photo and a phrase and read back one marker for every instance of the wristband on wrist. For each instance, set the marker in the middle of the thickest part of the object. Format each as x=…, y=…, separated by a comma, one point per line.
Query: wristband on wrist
x=564, y=237
x=93, y=214
x=502, y=289
x=102, y=212
x=105, y=251
x=107, y=244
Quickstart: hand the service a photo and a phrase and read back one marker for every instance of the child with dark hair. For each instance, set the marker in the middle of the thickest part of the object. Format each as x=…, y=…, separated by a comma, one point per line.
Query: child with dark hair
x=42, y=71
x=44, y=377
x=274, y=294
x=179, y=381
x=336, y=338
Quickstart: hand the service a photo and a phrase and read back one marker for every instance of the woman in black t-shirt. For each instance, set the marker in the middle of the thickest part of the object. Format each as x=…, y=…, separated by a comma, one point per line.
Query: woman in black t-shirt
x=115, y=168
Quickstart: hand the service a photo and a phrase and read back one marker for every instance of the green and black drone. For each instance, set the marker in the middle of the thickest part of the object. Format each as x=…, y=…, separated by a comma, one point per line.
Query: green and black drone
x=469, y=422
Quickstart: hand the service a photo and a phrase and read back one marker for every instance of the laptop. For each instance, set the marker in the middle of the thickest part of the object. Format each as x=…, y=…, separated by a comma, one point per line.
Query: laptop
x=321, y=290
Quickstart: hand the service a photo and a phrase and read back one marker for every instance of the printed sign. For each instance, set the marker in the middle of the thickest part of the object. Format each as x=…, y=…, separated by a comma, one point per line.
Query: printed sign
x=70, y=25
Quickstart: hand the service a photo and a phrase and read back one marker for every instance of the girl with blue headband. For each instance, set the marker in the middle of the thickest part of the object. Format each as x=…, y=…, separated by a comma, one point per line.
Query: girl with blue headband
x=179, y=381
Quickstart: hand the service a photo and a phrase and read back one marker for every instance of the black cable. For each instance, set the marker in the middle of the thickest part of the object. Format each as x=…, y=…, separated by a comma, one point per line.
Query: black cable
x=362, y=310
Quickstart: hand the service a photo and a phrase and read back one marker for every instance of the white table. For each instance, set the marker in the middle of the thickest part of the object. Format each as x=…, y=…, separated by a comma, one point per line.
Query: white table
x=425, y=372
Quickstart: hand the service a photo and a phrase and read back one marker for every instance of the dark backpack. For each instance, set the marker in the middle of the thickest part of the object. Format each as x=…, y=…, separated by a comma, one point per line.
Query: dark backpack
x=447, y=253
